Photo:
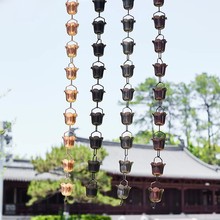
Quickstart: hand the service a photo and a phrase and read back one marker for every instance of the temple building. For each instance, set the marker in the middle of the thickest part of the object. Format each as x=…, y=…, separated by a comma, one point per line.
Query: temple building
x=190, y=185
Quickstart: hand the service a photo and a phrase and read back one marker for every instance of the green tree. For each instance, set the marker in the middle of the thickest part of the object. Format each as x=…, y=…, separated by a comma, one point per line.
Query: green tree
x=207, y=95
x=204, y=153
x=39, y=190
x=192, y=114
x=186, y=112
x=144, y=98
x=170, y=106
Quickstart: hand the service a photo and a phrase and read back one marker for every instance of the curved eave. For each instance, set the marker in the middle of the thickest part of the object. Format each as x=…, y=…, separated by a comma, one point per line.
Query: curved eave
x=180, y=163
x=26, y=175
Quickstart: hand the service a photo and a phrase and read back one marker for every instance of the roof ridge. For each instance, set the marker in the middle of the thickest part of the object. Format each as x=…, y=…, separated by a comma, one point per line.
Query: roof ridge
x=144, y=146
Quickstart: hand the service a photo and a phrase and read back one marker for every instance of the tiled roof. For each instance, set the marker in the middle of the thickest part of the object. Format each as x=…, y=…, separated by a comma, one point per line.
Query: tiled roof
x=180, y=163
x=22, y=170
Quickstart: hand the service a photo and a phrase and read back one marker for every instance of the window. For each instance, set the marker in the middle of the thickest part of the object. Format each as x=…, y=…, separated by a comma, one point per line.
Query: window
x=9, y=196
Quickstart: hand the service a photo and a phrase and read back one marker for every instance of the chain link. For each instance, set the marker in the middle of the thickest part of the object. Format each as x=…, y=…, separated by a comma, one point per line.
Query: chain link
x=126, y=137
x=97, y=91
x=155, y=189
x=71, y=96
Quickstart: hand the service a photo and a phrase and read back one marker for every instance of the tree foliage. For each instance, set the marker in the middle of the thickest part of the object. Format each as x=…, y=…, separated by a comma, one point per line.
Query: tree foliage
x=207, y=92
x=71, y=217
x=192, y=114
x=143, y=98
x=39, y=190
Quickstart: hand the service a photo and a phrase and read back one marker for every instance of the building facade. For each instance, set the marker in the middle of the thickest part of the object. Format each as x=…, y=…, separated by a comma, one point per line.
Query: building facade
x=191, y=186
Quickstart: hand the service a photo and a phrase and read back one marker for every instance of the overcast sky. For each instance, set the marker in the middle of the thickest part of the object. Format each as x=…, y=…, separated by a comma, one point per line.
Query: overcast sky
x=33, y=58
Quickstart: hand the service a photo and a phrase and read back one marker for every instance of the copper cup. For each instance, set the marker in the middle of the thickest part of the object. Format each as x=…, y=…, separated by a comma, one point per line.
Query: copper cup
x=159, y=118
x=71, y=28
x=69, y=141
x=66, y=189
x=71, y=7
x=71, y=72
x=71, y=50
x=157, y=168
x=160, y=92
x=155, y=194
x=70, y=118
x=71, y=95
x=68, y=165
x=159, y=45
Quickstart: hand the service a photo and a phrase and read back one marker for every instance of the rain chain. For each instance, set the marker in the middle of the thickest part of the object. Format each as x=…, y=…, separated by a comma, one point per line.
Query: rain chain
x=71, y=94
x=97, y=91
x=126, y=137
x=155, y=189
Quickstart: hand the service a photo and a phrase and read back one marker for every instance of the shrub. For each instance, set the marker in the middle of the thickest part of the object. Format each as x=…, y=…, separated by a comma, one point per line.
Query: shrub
x=95, y=217
x=71, y=217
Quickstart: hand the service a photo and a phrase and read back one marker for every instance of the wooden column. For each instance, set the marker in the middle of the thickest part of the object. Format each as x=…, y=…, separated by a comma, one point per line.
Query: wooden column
x=182, y=200
x=214, y=201
x=144, y=196
x=15, y=196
